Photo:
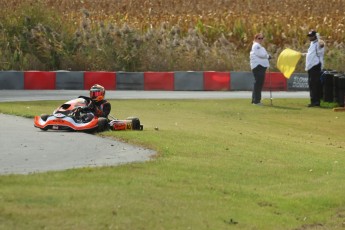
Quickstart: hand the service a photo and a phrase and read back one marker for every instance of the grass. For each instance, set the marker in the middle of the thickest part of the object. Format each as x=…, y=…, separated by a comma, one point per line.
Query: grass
x=221, y=164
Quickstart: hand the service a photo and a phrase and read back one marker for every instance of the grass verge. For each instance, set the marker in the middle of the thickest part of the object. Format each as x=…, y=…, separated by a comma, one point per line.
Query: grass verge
x=221, y=164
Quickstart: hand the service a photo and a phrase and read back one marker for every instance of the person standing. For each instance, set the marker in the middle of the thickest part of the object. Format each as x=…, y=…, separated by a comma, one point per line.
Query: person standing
x=259, y=62
x=313, y=65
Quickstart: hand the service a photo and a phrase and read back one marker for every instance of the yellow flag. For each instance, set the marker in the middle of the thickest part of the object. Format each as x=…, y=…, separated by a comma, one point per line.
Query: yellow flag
x=287, y=61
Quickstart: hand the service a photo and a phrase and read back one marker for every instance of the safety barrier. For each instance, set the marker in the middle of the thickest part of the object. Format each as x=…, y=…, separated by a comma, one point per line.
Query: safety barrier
x=275, y=82
x=11, y=80
x=69, y=80
x=189, y=81
x=159, y=81
x=130, y=81
x=39, y=80
x=106, y=79
x=241, y=81
x=170, y=81
x=217, y=81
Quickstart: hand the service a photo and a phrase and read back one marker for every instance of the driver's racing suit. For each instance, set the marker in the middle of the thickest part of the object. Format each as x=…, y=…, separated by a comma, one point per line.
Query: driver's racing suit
x=101, y=108
x=98, y=108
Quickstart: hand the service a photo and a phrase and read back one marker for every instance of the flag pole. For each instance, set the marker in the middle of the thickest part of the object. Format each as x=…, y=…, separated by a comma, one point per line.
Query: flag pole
x=269, y=75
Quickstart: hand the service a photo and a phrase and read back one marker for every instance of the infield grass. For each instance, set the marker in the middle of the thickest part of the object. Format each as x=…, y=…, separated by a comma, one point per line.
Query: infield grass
x=220, y=164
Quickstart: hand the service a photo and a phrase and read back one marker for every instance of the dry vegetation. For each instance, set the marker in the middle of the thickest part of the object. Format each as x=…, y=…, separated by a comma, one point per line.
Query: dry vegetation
x=161, y=35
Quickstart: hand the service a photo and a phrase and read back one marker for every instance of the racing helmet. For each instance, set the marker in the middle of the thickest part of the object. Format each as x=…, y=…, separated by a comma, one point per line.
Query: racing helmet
x=97, y=92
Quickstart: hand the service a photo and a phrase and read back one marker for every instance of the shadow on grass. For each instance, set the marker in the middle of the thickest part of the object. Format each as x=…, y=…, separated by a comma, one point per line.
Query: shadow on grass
x=284, y=107
x=294, y=108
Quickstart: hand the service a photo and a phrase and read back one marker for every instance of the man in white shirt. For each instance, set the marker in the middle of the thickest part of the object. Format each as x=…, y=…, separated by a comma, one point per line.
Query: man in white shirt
x=314, y=64
x=258, y=63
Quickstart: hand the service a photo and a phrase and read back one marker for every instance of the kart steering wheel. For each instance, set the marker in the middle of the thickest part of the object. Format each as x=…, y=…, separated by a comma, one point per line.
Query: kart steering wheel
x=88, y=101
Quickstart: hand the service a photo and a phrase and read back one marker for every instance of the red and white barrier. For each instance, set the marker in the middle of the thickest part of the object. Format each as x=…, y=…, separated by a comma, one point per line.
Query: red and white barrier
x=106, y=79
x=217, y=81
x=159, y=81
x=170, y=81
x=39, y=80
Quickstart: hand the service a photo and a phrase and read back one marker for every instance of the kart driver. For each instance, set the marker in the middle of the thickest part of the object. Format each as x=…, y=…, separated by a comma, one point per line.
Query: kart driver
x=99, y=106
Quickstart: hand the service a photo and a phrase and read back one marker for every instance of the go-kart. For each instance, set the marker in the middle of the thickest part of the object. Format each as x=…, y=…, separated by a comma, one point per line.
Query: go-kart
x=75, y=115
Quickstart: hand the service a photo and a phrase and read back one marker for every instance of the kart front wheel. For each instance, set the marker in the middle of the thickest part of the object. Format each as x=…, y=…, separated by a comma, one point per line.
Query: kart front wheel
x=44, y=117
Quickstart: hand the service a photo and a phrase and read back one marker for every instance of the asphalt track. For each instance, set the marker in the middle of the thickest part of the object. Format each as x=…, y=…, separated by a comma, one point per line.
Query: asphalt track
x=25, y=149
x=35, y=95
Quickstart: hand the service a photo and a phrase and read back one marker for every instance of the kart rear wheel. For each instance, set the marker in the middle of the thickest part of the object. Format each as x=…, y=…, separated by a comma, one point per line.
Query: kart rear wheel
x=135, y=123
x=102, y=124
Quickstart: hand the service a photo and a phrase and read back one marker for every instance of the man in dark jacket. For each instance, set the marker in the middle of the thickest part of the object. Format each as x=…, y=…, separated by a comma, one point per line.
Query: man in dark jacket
x=314, y=64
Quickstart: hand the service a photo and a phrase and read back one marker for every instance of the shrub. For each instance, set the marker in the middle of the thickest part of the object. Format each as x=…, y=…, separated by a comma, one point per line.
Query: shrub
x=161, y=36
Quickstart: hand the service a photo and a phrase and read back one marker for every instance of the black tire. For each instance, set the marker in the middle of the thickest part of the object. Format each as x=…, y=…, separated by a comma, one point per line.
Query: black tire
x=44, y=117
x=102, y=124
x=135, y=123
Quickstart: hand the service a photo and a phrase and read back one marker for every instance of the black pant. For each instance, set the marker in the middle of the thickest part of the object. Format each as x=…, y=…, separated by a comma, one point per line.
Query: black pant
x=314, y=82
x=259, y=77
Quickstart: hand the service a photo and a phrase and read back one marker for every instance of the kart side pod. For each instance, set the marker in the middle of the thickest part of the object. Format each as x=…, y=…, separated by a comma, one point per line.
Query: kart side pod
x=130, y=123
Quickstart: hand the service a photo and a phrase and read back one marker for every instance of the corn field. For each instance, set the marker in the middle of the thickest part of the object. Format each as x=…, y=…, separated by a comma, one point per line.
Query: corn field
x=162, y=35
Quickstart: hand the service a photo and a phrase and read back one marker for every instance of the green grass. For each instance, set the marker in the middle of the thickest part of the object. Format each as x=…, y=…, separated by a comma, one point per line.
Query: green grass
x=221, y=164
